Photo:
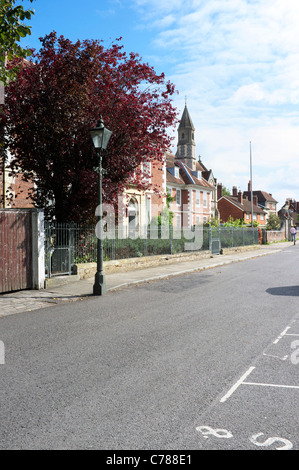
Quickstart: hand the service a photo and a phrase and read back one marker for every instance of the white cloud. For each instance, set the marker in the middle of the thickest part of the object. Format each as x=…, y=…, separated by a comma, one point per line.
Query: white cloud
x=256, y=93
x=237, y=62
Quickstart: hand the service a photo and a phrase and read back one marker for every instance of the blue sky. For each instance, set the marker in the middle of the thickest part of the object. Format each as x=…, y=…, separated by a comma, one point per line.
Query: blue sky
x=236, y=61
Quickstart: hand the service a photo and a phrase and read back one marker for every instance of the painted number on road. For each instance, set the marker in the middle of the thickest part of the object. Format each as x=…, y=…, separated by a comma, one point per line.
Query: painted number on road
x=220, y=433
x=207, y=431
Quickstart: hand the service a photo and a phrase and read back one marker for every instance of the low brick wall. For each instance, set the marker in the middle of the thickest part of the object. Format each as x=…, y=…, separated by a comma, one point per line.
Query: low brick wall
x=86, y=270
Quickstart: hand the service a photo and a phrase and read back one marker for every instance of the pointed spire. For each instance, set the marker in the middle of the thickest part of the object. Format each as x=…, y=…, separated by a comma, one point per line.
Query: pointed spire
x=186, y=120
x=186, y=145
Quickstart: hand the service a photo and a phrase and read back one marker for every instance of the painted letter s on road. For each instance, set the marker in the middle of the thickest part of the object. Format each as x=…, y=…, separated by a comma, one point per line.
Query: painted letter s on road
x=295, y=354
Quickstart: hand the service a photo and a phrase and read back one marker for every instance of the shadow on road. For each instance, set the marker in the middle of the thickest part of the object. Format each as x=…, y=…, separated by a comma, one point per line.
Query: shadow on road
x=286, y=290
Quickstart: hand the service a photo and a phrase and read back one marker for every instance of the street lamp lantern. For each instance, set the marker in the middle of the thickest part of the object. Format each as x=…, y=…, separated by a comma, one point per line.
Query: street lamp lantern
x=100, y=135
x=100, y=138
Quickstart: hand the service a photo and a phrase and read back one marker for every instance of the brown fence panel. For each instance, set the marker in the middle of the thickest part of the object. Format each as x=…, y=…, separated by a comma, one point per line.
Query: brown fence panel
x=15, y=250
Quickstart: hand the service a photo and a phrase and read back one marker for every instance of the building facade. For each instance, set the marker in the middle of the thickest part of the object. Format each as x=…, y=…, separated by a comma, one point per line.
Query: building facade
x=239, y=207
x=180, y=176
x=188, y=180
x=263, y=199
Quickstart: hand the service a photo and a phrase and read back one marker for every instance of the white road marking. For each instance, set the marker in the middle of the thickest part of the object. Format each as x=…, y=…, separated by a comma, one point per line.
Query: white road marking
x=237, y=384
x=270, y=385
x=276, y=357
x=241, y=381
x=284, y=333
x=281, y=335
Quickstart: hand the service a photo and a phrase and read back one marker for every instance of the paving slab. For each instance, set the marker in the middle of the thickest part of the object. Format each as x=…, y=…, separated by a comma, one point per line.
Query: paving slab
x=27, y=300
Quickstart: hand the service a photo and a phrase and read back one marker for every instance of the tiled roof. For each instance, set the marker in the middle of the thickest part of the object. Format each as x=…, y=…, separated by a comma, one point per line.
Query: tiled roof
x=172, y=179
x=246, y=206
x=186, y=176
x=261, y=195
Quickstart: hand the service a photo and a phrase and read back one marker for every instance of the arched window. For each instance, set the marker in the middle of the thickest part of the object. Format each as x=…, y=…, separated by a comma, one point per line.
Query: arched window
x=133, y=215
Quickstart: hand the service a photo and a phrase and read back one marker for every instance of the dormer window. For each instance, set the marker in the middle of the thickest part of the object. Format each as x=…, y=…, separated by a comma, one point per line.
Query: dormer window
x=197, y=174
x=176, y=172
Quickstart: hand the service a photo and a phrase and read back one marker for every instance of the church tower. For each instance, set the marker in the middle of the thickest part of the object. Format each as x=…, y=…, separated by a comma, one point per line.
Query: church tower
x=186, y=148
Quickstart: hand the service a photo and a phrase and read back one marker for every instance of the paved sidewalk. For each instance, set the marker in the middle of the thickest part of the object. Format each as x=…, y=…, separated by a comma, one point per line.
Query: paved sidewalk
x=27, y=300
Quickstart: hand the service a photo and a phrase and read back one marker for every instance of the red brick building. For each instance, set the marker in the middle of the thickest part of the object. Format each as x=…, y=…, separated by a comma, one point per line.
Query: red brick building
x=239, y=207
x=264, y=200
x=14, y=191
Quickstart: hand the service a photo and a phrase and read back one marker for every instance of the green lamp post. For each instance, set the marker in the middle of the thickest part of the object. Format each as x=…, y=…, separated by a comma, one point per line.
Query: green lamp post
x=100, y=137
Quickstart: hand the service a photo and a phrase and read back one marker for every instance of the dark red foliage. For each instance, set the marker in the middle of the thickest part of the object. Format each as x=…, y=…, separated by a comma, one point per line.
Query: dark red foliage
x=55, y=100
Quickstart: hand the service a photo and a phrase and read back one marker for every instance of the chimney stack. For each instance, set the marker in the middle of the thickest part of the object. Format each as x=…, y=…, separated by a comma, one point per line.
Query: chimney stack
x=235, y=191
x=249, y=186
x=219, y=190
x=254, y=200
x=240, y=197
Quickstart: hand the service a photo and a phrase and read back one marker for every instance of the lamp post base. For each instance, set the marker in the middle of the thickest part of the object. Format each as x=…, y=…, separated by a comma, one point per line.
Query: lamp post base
x=99, y=287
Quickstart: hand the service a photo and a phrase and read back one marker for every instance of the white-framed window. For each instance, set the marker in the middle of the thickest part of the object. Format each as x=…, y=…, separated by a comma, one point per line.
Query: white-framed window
x=146, y=170
x=262, y=217
x=205, y=200
x=178, y=197
x=176, y=172
x=247, y=216
x=254, y=216
x=197, y=197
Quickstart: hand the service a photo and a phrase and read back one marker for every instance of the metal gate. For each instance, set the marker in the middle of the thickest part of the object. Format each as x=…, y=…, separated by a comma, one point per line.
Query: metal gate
x=16, y=269
x=59, y=249
x=215, y=240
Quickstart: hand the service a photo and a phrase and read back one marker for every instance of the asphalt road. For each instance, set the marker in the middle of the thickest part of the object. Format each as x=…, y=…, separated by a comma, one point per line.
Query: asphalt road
x=208, y=360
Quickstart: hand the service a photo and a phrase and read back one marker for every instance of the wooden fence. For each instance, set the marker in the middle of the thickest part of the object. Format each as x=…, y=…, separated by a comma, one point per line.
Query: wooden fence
x=21, y=249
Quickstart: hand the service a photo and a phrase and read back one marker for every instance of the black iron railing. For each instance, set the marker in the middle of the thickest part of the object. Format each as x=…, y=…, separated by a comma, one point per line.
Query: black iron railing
x=69, y=244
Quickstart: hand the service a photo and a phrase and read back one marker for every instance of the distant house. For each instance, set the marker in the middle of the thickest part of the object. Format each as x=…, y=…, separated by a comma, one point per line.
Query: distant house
x=265, y=200
x=239, y=207
x=290, y=211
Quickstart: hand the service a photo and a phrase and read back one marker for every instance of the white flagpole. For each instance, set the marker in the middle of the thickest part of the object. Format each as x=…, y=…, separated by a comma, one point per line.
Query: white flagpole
x=251, y=195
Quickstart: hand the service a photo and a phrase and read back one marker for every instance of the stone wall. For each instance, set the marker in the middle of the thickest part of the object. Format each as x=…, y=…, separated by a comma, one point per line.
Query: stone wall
x=270, y=236
x=86, y=270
